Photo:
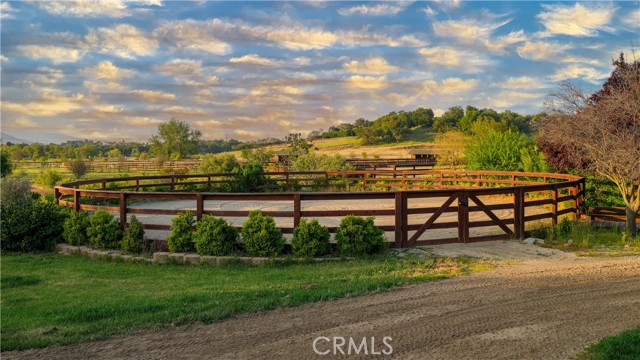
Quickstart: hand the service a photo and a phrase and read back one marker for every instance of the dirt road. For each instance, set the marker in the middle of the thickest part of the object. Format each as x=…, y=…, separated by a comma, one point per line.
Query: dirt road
x=547, y=308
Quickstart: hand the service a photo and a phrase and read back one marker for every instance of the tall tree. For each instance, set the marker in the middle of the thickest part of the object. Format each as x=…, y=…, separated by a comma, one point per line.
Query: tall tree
x=599, y=133
x=175, y=140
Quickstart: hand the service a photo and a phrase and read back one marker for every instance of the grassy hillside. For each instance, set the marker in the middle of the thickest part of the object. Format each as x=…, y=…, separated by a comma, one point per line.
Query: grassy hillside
x=418, y=138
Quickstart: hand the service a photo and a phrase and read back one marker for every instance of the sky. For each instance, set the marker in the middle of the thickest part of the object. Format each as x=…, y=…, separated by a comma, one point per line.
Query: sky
x=113, y=70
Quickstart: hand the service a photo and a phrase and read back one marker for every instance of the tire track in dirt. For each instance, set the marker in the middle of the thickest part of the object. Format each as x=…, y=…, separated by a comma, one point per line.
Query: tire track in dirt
x=539, y=309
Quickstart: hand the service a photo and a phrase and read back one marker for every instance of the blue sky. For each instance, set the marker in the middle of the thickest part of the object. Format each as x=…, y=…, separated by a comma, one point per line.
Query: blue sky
x=112, y=70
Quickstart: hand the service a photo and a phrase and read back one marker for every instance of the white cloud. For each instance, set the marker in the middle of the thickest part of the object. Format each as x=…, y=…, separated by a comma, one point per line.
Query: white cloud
x=364, y=38
x=123, y=40
x=180, y=67
x=56, y=54
x=380, y=9
x=374, y=65
x=193, y=35
x=508, y=99
x=43, y=78
x=211, y=35
x=585, y=73
x=429, y=11
x=3, y=58
x=450, y=57
x=154, y=96
x=540, y=50
x=522, y=83
x=302, y=61
x=252, y=59
x=93, y=8
x=105, y=70
x=471, y=31
x=632, y=19
x=366, y=82
x=449, y=86
x=6, y=11
x=581, y=19
x=48, y=103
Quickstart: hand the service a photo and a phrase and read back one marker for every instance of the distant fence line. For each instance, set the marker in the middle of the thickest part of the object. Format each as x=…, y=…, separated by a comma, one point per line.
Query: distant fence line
x=459, y=192
x=194, y=165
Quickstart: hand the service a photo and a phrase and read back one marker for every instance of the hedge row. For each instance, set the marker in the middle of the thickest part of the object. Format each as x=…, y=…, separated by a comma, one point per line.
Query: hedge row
x=355, y=236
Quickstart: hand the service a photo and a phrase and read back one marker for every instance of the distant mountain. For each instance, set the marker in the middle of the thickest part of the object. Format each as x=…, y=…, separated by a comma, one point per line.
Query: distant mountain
x=6, y=138
x=29, y=137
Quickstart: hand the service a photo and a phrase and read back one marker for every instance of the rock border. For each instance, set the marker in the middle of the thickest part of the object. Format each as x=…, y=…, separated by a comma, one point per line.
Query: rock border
x=179, y=258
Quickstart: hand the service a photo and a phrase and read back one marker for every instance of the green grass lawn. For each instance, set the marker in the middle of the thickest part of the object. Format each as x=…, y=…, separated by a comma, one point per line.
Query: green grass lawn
x=53, y=299
x=624, y=346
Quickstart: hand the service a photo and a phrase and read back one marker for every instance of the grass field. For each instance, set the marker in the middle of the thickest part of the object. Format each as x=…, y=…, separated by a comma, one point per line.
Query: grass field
x=624, y=346
x=53, y=299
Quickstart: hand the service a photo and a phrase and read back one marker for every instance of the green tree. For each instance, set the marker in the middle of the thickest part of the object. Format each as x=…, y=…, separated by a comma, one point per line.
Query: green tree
x=218, y=164
x=501, y=151
x=5, y=164
x=422, y=117
x=175, y=140
x=78, y=167
x=297, y=145
x=448, y=120
x=260, y=156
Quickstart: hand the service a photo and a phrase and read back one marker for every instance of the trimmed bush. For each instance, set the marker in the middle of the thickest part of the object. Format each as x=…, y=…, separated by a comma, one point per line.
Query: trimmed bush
x=181, y=237
x=310, y=239
x=260, y=236
x=357, y=236
x=75, y=228
x=104, y=231
x=133, y=239
x=32, y=226
x=215, y=236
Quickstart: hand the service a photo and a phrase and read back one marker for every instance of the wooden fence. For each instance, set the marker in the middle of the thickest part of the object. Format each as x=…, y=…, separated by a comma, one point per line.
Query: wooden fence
x=418, y=207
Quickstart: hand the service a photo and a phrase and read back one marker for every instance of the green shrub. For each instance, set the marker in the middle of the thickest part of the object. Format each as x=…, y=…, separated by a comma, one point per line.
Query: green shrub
x=217, y=164
x=15, y=191
x=5, y=164
x=104, y=231
x=310, y=239
x=215, y=236
x=181, y=237
x=248, y=177
x=133, y=238
x=32, y=226
x=501, y=151
x=357, y=236
x=260, y=236
x=75, y=228
x=49, y=178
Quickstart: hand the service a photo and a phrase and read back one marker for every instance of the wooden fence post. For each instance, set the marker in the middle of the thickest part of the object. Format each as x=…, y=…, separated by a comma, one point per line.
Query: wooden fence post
x=123, y=210
x=518, y=213
x=172, y=187
x=296, y=209
x=554, y=206
x=76, y=200
x=463, y=217
x=199, y=206
x=401, y=233
x=56, y=195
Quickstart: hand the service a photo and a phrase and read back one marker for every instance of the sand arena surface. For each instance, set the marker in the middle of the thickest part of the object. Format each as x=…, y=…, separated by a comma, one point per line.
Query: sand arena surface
x=548, y=305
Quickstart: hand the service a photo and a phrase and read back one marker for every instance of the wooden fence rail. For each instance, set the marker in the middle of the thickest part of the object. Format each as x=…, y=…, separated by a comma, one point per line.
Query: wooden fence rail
x=418, y=207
